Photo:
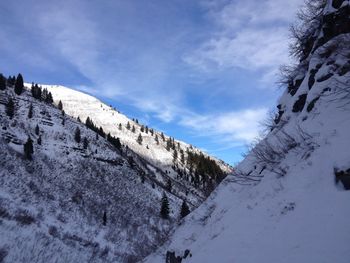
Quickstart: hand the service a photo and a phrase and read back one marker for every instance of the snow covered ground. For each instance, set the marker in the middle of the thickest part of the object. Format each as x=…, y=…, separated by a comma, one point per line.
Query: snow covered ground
x=283, y=202
x=52, y=208
x=78, y=104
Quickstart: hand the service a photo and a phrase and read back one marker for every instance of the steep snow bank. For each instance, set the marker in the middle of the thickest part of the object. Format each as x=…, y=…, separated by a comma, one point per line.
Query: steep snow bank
x=283, y=203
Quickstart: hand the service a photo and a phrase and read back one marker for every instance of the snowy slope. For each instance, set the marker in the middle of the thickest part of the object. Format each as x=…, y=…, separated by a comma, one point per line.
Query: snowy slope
x=283, y=202
x=52, y=208
x=78, y=104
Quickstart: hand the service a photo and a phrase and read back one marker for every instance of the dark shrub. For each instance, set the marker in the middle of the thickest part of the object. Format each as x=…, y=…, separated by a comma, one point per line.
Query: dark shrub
x=312, y=104
x=325, y=77
x=53, y=231
x=300, y=103
x=3, y=254
x=23, y=217
x=344, y=177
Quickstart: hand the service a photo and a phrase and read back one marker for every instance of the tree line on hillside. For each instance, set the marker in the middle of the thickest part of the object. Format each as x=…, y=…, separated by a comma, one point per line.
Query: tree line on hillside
x=203, y=165
x=115, y=141
x=42, y=94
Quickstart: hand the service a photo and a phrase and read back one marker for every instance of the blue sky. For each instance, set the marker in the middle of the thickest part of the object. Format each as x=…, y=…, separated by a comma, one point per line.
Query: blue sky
x=202, y=71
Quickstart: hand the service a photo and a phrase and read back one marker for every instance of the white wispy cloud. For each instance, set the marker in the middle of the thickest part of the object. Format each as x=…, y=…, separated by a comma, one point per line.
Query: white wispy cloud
x=237, y=127
x=245, y=45
x=252, y=35
x=126, y=61
x=250, y=49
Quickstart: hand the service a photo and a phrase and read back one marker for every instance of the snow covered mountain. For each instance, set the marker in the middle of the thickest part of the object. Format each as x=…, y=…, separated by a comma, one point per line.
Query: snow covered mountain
x=71, y=194
x=287, y=200
x=170, y=161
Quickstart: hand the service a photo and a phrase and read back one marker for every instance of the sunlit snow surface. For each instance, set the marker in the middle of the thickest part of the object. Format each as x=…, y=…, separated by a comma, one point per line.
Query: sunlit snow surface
x=301, y=216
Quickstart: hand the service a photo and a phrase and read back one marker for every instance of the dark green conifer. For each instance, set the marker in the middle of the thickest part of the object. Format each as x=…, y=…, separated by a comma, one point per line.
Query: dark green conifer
x=37, y=130
x=139, y=139
x=60, y=105
x=184, y=210
x=2, y=82
x=85, y=143
x=77, y=136
x=104, y=219
x=28, y=149
x=19, y=85
x=10, y=108
x=164, y=208
x=30, y=111
x=39, y=140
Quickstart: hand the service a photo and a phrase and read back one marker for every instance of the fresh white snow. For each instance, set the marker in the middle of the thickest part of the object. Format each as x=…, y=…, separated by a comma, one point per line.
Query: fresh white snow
x=282, y=203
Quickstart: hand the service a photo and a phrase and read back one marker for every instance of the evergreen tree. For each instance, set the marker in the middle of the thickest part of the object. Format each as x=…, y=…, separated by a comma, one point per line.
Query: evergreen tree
x=77, y=136
x=63, y=121
x=174, y=156
x=156, y=139
x=36, y=91
x=139, y=139
x=37, y=130
x=184, y=210
x=120, y=126
x=49, y=98
x=46, y=96
x=168, y=144
x=104, y=219
x=60, y=105
x=88, y=123
x=182, y=157
x=133, y=129
x=114, y=141
x=169, y=185
x=19, y=85
x=11, y=81
x=101, y=132
x=2, y=82
x=78, y=119
x=28, y=149
x=164, y=209
x=30, y=111
x=10, y=108
x=128, y=126
x=146, y=129
x=39, y=140
x=85, y=143
x=142, y=128
x=162, y=136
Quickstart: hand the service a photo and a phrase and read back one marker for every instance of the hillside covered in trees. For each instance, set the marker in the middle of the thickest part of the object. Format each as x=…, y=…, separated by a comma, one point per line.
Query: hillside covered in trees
x=68, y=185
